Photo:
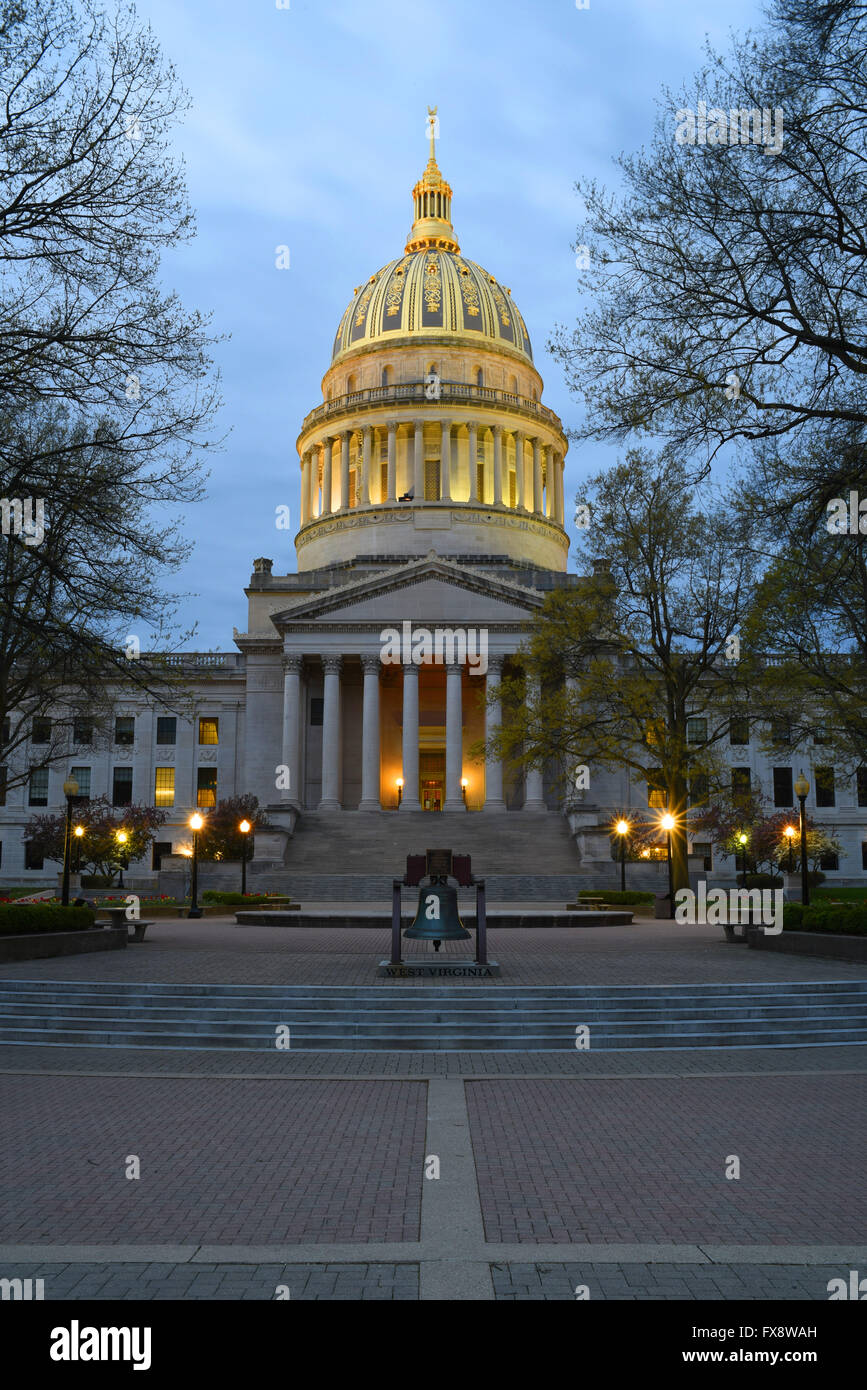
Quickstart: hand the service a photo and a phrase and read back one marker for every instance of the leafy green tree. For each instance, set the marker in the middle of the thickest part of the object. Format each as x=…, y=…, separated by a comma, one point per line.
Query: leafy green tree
x=220, y=837
x=635, y=666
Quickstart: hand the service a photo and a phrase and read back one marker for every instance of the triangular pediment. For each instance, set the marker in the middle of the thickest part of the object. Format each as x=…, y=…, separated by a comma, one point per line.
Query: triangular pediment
x=426, y=591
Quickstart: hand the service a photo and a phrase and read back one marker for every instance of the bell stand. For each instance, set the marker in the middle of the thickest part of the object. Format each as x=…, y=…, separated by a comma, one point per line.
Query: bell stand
x=416, y=870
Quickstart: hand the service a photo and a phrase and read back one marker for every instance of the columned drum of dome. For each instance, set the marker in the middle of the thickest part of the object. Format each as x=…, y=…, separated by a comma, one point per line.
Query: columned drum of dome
x=432, y=406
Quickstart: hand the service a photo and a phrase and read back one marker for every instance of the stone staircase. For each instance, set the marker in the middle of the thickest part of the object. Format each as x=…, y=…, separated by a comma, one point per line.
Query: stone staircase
x=354, y=856
x=442, y=1018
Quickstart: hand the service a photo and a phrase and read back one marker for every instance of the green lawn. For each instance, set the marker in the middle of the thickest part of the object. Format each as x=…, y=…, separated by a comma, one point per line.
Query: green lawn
x=846, y=895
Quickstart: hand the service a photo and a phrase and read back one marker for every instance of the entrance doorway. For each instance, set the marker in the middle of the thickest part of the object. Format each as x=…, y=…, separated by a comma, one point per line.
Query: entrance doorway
x=432, y=779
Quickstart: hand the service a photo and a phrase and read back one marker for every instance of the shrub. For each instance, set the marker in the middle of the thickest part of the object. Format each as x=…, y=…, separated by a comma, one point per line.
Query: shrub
x=17, y=919
x=97, y=881
x=762, y=881
x=846, y=919
x=610, y=895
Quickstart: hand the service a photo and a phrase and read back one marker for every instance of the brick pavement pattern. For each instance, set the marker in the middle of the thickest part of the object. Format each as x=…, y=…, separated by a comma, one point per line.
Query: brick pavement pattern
x=618, y=1160
x=215, y=1282
x=231, y=1161
x=710, y=1283
x=215, y=951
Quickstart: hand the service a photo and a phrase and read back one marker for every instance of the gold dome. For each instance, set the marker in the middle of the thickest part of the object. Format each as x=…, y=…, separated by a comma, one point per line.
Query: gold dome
x=432, y=291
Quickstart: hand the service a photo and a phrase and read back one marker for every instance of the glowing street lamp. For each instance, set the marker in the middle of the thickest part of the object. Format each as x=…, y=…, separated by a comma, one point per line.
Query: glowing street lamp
x=802, y=787
x=196, y=823
x=122, y=838
x=464, y=789
x=70, y=791
x=622, y=828
x=399, y=784
x=743, y=840
x=789, y=833
x=667, y=822
x=78, y=832
x=245, y=827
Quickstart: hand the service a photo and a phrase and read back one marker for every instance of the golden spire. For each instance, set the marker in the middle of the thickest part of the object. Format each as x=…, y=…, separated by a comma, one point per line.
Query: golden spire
x=432, y=198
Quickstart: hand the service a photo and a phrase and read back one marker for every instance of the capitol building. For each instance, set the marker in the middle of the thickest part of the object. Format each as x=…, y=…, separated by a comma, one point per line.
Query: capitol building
x=432, y=507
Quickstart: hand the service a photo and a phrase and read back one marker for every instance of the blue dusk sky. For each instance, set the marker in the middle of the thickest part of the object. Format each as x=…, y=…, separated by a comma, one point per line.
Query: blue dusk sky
x=308, y=129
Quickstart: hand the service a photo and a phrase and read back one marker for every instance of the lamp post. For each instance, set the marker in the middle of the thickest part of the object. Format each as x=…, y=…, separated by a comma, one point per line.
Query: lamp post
x=464, y=789
x=789, y=833
x=78, y=832
x=742, y=841
x=196, y=823
x=622, y=828
x=245, y=827
x=70, y=791
x=122, y=838
x=802, y=787
x=668, y=824
x=399, y=785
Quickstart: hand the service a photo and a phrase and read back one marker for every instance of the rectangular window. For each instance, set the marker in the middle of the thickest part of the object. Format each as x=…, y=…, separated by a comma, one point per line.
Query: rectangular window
x=431, y=480
x=317, y=706
x=781, y=731
x=740, y=783
x=167, y=729
x=480, y=479
x=783, y=791
x=353, y=488
x=825, y=790
x=209, y=731
x=702, y=850
x=124, y=731
x=38, y=787
x=698, y=789
x=82, y=777
x=739, y=729
x=383, y=482
x=32, y=860
x=3, y=779
x=121, y=786
x=159, y=849
x=82, y=732
x=864, y=855
x=40, y=731
x=829, y=861
x=862, y=786
x=696, y=729
x=821, y=735
x=513, y=490
x=656, y=792
x=7, y=730
x=164, y=786
x=206, y=786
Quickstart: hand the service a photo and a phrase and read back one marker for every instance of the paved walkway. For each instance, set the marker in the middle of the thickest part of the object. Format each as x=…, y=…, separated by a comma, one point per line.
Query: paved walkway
x=314, y=1175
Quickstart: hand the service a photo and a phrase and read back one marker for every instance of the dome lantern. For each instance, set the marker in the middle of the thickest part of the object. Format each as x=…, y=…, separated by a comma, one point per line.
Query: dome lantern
x=432, y=199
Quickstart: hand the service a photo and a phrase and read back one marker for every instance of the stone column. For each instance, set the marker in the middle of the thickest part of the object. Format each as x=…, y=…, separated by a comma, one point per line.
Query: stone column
x=446, y=461
x=494, y=800
x=391, y=470
x=519, y=470
x=549, y=483
x=498, y=465
x=344, y=469
x=327, y=446
x=292, y=729
x=472, y=429
x=561, y=500
x=534, y=799
x=370, y=782
x=331, y=733
x=366, y=443
x=418, y=471
x=410, y=801
x=537, y=476
x=454, y=740
x=305, y=488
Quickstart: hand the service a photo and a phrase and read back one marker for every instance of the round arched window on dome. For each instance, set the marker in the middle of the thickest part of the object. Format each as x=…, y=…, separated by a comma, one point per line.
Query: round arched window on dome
x=387, y=377
x=513, y=385
x=480, y=377
x=351, y=384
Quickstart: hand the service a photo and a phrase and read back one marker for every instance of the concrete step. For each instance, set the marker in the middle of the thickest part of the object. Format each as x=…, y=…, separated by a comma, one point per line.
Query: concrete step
x=382, y=1018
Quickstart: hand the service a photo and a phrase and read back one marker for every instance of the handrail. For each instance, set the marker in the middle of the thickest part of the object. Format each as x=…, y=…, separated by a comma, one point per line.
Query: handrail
x=451, y=392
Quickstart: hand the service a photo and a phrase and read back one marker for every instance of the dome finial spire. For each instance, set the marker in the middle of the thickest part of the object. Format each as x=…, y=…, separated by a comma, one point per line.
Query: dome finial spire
x=432, y=198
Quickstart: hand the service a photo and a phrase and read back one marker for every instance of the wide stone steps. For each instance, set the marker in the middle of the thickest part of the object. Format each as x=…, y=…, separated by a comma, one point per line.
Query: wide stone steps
x=440, y=1018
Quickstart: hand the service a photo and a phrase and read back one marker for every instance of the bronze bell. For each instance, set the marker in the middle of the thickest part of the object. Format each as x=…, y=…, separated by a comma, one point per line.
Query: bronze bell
x=437, y=917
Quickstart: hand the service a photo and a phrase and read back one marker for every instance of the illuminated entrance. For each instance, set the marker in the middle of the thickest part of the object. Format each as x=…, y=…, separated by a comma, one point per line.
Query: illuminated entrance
x=432, y=778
